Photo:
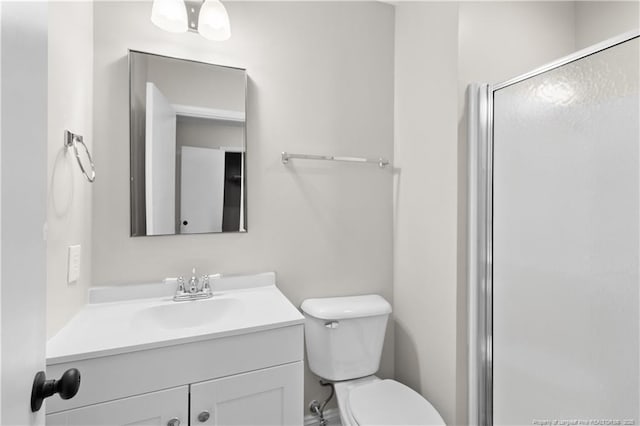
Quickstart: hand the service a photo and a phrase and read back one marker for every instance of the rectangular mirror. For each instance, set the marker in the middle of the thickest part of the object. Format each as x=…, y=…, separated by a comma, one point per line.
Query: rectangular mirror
x=188, y=145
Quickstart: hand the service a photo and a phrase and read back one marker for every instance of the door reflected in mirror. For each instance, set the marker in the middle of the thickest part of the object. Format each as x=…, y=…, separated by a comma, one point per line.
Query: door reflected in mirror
x=188, y=146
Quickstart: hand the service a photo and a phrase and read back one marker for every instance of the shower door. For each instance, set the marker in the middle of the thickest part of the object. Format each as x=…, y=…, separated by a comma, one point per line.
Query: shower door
x=561, y=271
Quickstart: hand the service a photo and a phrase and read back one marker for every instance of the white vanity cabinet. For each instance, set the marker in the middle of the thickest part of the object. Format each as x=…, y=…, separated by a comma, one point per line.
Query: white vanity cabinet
x=252, y=379
x=242, y=366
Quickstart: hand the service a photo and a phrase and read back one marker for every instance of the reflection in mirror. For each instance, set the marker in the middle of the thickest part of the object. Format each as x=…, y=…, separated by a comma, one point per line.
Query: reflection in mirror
x=187, y=146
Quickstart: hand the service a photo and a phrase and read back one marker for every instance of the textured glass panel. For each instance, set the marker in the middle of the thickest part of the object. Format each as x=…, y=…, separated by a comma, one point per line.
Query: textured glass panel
x=566, y=244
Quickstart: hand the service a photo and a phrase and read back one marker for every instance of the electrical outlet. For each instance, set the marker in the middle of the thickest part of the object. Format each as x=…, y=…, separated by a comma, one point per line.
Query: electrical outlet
x=73, y=268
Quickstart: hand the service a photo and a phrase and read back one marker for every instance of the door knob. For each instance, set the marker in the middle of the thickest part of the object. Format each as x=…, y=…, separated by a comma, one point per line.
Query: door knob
x=174, y=422
x=203, y=417
x=67, y=387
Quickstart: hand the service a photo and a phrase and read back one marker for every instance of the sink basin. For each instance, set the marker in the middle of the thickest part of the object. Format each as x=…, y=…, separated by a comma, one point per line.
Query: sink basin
x=189, y=314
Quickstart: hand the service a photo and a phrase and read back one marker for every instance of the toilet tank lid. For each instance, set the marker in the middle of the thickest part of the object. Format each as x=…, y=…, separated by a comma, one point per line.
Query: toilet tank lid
x=335, y=308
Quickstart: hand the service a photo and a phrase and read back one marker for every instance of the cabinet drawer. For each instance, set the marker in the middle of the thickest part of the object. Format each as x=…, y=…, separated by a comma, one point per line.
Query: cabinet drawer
x=155, y=408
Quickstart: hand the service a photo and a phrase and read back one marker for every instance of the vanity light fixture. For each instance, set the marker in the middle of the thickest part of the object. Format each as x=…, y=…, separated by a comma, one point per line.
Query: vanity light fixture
x=208, y=17
x=213, y=21
x=170, y=15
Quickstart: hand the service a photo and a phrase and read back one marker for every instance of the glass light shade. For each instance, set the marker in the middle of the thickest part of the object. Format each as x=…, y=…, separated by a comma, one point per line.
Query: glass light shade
x=213, y=21
x=170, y=15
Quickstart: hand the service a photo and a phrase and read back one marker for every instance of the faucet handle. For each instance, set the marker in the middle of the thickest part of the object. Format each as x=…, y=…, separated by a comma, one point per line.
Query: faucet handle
x=205, y=284
x=180, y=288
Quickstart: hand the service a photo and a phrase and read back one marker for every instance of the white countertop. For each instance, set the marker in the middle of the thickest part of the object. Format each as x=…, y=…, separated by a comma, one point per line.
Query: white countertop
x=240, y=305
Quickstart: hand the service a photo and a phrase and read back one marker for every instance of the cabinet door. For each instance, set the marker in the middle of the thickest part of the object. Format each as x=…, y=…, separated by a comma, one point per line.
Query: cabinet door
x=272, y=396
x=156, y=408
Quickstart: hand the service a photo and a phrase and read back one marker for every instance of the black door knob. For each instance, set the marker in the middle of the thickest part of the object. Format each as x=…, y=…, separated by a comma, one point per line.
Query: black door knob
x=67, y=387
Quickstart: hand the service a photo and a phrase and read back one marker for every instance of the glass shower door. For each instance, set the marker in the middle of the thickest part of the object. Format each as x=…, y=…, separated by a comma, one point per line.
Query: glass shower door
x=565, y=247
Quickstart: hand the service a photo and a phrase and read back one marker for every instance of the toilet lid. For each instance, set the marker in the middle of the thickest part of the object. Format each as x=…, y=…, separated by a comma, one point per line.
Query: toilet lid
x=387, y=402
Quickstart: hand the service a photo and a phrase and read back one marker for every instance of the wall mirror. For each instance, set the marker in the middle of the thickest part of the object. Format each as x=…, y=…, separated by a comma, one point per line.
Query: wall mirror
x=188, y=146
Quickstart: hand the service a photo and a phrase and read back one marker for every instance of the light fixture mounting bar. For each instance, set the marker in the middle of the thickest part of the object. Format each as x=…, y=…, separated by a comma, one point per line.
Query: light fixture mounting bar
x=193, y=14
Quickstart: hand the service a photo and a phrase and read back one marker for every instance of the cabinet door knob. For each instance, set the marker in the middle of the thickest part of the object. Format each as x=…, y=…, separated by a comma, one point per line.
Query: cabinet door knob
x=203, y=417
x=174, y=422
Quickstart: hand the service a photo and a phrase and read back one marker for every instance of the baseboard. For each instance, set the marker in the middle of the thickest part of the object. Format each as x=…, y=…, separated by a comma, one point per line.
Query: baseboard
x=332, y=416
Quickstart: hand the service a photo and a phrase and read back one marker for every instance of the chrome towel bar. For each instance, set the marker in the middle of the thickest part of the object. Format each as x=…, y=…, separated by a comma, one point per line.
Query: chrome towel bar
x=71, y=140
x=381, y=162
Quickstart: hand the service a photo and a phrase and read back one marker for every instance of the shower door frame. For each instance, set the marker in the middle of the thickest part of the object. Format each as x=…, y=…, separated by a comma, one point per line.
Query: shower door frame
x=480, y=230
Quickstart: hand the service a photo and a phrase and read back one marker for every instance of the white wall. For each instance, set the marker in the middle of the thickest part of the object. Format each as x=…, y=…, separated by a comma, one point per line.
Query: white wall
x=320, y=81
x=500, y=40
x=70, y=104
x=600, y=20
x=425, y=218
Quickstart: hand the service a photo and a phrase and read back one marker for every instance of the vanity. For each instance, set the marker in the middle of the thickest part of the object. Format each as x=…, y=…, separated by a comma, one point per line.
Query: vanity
x=233, y=359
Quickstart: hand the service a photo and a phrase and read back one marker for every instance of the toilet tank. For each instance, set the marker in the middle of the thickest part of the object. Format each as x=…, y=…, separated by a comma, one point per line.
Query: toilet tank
x=344, y=335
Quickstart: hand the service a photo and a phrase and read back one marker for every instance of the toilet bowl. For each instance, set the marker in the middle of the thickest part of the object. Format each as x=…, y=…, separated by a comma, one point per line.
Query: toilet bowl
x=344, y=338
x=371, y=401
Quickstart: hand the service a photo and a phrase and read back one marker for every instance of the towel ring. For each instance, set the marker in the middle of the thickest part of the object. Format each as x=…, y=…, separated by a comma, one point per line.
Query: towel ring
x=72, y=140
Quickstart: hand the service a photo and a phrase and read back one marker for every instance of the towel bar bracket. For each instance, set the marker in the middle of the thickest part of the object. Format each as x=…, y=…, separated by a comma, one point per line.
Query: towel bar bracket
x=72, y=140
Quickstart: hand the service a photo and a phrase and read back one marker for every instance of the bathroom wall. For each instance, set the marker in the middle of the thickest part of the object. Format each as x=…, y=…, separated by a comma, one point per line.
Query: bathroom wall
x=425, y=200
x=320, y=81
x=600, y=20
x=466, y=42
x=70, y=104
x=500, y=40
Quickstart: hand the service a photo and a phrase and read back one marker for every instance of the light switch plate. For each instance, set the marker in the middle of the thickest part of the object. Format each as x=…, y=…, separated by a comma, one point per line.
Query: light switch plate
x=73, y=268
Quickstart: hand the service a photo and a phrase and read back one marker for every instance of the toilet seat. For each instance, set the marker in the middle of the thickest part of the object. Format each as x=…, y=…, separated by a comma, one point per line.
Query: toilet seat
x=387, y=402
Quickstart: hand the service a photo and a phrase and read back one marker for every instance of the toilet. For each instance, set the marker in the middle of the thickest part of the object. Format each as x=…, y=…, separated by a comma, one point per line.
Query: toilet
x=344, y=337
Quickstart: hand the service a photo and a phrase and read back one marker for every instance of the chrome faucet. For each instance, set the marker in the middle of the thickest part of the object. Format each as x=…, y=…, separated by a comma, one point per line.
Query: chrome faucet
x=193, y=282
x=198, y=288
